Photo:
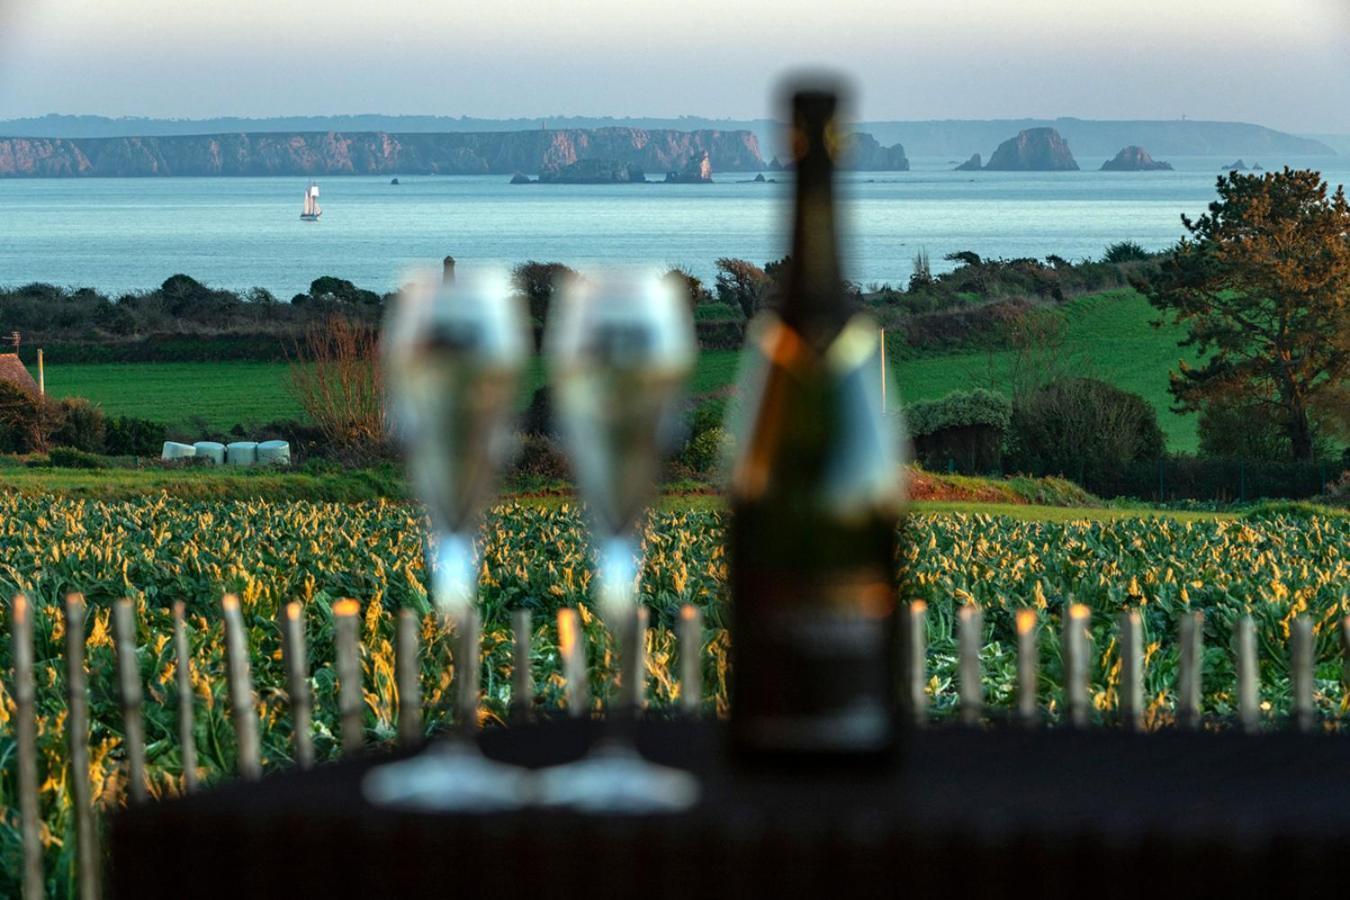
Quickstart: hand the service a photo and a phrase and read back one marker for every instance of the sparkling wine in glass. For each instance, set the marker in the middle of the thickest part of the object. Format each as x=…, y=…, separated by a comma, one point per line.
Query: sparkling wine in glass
x=453, y=357
x=619, y=350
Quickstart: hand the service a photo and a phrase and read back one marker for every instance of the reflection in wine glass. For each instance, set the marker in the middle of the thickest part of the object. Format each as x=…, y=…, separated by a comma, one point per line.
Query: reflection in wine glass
x=453, y=358
x=619, y=351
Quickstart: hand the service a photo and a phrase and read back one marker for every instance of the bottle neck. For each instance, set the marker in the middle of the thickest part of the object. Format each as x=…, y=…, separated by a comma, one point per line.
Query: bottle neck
x=813, y=304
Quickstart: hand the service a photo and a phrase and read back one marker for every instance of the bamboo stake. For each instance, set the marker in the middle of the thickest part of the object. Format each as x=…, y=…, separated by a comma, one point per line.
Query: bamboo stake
x=408, y=675
x=637, y=668
x=971, y=690
x=1074, y=650
x=129, y=687
x=241, y=690
x=25, y=735
x=347, y=654
x=691, y=659
x=77, y=726
x=467, y=666
x=297, y=684
x=187, y=745
x=1301, y=675
x=915, y=666
x=1190, y=669
x=574, y=662
x=1248, y=686
x=1131, y=671
x=522, y=674
x=1028, y=658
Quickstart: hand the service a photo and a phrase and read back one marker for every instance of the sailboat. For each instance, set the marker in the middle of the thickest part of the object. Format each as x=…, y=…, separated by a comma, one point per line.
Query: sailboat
x=312, y=210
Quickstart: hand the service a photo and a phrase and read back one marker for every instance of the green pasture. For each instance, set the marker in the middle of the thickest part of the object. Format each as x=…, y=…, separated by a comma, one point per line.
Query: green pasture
x=1108, y=337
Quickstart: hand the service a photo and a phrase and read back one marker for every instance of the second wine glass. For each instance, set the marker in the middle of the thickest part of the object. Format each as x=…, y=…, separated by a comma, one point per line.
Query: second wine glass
x=619, y=351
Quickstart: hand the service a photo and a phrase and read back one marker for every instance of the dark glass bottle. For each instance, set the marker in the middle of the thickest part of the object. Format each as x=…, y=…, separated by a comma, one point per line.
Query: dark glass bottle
x=815, y=498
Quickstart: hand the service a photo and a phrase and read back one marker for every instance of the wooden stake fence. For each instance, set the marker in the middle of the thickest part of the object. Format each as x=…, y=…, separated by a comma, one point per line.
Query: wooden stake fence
x=297, y=683
x=573, y=654
x=913, y=689
x=970, y=687
x=1247, y=693
x=407, y=674
x=1301, y=673
x=242, y=707
x=347, y=657
x=1131, y=671
x=468, y=667
x=1189, y=669
x=187, y=742
x=914, y=664
x=1074, y=652
x=637, y=668
x=690, y=638
x=1028, y=667
x=522, y=667
x=129, y=687
x=25, y=735
x=77, y=726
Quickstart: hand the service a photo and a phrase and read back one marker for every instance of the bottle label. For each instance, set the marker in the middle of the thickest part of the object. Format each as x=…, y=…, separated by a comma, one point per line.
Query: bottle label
x=813, y=663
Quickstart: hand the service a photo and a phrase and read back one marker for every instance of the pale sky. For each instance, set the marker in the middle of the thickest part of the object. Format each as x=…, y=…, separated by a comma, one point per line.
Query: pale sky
x=1282, y=63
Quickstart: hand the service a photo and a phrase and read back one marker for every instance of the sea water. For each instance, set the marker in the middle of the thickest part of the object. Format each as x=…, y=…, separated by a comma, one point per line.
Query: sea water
x=129, y=234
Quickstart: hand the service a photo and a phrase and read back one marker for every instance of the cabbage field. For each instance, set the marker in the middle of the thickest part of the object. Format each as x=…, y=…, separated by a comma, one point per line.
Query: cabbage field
x=159, y=550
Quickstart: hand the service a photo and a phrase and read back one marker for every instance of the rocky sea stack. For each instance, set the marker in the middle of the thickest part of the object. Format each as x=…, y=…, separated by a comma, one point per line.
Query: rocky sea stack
x=1135, y=159
x=971, y=165
x=1033, y=150
x=697, y=172
x=866, y=154
x=593, y=171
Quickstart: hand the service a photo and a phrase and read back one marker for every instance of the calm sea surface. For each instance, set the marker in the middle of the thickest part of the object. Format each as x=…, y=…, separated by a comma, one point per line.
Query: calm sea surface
x=125, y=234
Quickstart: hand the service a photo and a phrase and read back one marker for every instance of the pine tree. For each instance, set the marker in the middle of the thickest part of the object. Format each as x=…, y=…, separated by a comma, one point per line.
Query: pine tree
x=1262, y=284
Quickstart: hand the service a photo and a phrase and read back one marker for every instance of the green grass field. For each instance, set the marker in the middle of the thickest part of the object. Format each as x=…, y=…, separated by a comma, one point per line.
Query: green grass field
x=1108, y=337
x=222, y=394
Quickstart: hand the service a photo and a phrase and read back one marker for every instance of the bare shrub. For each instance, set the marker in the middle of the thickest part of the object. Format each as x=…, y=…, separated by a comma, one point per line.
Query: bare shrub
x=336, y=379
x=26, y=422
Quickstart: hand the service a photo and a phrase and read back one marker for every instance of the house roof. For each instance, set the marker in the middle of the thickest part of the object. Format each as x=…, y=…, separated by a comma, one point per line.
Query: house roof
x=13, y=372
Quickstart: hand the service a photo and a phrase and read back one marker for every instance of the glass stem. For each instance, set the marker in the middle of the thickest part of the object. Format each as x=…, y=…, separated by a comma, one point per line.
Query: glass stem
x=454, y=566
x=618, y=574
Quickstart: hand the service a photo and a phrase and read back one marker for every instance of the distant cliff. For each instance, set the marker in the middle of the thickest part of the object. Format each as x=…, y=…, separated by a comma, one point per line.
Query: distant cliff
x=952, y=138
x=1033, y=150
x=375, y=153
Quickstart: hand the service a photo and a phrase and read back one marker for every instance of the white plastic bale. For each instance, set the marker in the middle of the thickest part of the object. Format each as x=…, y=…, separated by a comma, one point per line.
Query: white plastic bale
x=211, y=450
x=175, y=450
x=241, y=453
x=274, y=453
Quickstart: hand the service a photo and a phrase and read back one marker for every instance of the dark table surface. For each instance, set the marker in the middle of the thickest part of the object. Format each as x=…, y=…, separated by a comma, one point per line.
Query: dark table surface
x=964, y=813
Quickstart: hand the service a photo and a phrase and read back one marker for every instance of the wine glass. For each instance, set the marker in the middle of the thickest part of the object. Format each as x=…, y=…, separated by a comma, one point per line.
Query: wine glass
x=453, y=356
x=619, y=350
